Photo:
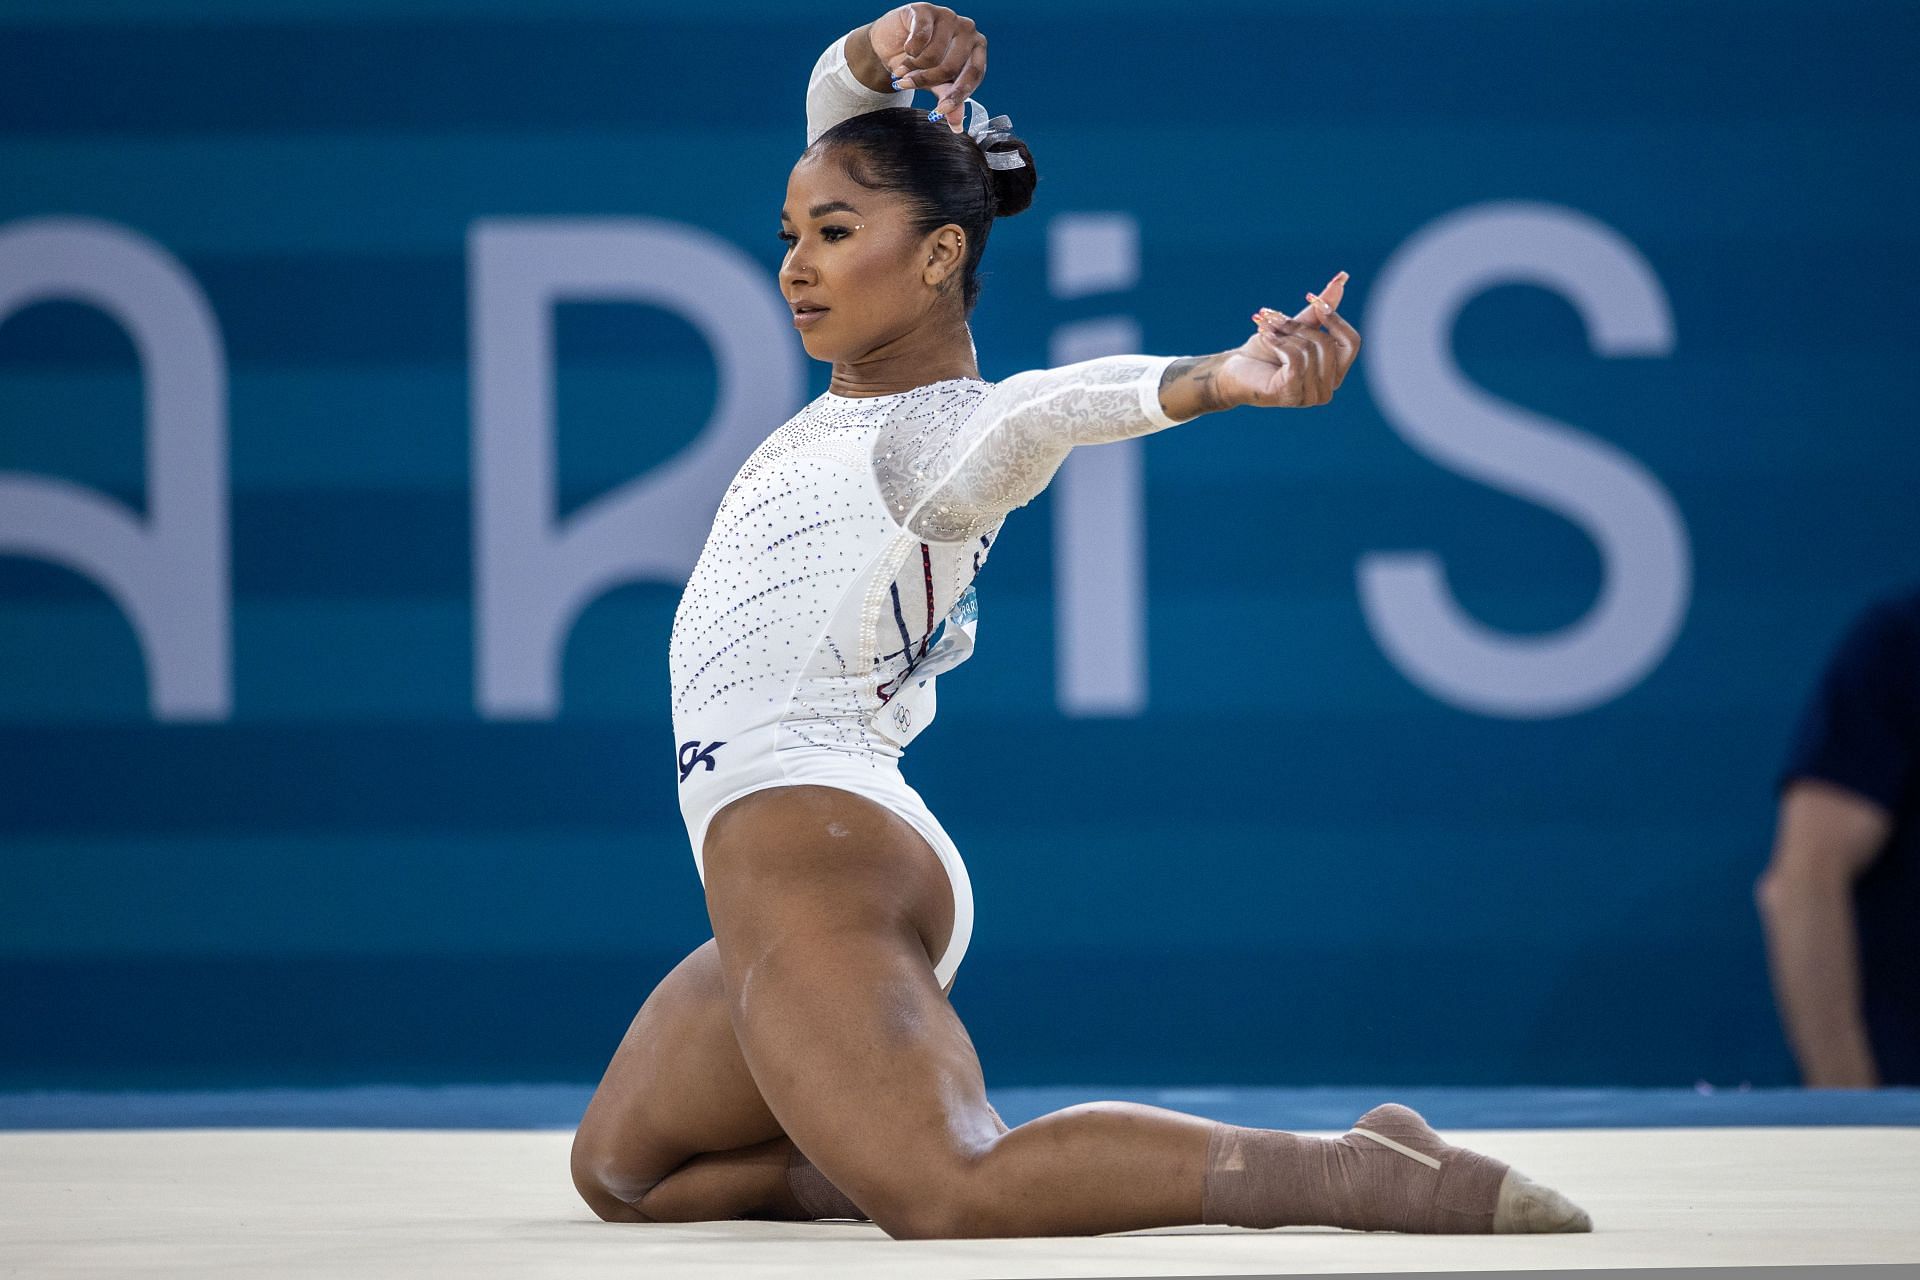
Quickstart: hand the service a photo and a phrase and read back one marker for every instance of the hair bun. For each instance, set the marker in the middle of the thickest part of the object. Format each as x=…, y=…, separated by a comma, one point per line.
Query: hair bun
x=1012, y=188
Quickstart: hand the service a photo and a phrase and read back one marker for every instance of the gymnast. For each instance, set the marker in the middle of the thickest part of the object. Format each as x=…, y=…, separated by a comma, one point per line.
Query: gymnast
x=805, y=1063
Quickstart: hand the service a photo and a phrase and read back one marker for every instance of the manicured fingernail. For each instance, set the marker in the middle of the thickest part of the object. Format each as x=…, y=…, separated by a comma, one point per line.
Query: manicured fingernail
x=935, y=115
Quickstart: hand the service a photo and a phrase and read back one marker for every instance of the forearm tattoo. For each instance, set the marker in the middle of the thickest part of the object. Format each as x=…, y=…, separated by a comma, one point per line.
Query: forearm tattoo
x=1190, y=387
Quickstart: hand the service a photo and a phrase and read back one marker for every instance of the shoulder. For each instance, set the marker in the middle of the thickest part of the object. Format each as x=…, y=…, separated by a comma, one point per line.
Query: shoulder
x=949, y=399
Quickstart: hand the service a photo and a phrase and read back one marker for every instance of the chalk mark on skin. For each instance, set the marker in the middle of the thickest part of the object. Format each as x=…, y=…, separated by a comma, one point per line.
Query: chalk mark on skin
x=837, y=829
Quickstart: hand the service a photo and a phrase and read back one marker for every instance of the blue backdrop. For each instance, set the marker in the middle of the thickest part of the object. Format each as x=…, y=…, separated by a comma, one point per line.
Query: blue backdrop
x=1635, y=279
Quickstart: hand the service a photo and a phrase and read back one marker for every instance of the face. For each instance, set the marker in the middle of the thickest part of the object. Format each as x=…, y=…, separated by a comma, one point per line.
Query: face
x=851, y=250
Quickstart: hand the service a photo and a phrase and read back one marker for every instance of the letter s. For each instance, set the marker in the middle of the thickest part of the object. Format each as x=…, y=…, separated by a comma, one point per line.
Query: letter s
x=1646, y=563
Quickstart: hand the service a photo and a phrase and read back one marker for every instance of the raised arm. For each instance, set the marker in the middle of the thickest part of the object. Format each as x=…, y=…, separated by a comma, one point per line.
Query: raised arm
x=928, y=46
x=835, y=92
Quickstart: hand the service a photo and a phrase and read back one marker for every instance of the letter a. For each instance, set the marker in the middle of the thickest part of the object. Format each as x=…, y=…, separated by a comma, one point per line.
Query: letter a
x=169, y=572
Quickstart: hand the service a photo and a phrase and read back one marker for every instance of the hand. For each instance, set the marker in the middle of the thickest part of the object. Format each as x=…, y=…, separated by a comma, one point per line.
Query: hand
x=1291, y=361
x=929, y=46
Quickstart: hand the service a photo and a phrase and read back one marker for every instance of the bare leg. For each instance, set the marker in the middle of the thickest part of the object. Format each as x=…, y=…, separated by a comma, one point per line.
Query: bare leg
x=826, y=942
x=677, y=1131
x=827, y=910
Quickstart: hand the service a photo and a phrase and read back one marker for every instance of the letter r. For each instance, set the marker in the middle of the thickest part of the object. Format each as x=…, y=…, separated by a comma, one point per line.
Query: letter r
x=534, y=574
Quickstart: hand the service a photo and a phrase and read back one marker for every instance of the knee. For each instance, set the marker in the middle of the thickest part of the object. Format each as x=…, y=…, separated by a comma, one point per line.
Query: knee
x=595, y=1178
x=934, y=1222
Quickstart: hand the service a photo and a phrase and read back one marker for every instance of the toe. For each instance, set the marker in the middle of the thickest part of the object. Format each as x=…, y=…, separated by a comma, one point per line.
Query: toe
x=1526, y=1206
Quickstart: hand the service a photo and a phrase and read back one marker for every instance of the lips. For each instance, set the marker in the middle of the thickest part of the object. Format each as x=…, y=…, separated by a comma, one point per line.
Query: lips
x=802, y=318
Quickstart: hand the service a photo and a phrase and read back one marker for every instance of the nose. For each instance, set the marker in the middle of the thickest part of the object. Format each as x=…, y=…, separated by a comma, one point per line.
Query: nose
x=797, y=272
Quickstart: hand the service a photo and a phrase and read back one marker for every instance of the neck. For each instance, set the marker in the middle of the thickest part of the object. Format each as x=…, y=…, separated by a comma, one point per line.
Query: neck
x=929, y=353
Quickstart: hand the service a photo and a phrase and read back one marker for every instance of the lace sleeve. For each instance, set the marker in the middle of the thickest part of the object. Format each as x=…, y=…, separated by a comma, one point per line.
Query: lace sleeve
x=834, y=93
x=1020, y=433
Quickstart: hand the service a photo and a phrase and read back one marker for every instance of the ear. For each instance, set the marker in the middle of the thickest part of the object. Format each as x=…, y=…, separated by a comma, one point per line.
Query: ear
x=946, y=251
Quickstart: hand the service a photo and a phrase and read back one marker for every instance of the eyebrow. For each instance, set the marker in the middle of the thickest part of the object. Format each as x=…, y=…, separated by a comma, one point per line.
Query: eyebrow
x=821, y=210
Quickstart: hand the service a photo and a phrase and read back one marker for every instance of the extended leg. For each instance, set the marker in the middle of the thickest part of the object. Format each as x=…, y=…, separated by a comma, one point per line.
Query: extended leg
x=827, y=910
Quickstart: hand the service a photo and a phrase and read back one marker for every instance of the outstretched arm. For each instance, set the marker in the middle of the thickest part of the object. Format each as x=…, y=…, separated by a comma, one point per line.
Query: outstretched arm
x=1023, y=430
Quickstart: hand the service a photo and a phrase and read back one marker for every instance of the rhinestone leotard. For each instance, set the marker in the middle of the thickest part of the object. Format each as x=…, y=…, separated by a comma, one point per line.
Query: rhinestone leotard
x=838, y=579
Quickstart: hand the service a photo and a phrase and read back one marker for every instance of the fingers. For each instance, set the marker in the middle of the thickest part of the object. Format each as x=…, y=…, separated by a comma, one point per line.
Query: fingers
x=1336, y=290
x=1324, y=371
x=937, y=50
x=1278, y=321
x=1327, y=353
x=953, y=98
x=1294, y=356
x=1315, y=361
x=1345, y=339
x=917, y=31
x=951, y=60
x=1308, y=317
x=953, y=78
x=922, y=25
x=1335, y=322
x=934, y=65
x=942, y=51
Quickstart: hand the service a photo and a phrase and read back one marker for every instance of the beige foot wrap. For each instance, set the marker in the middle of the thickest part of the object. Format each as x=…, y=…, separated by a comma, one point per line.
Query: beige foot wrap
x=1390, y=1172
x=818, y=1197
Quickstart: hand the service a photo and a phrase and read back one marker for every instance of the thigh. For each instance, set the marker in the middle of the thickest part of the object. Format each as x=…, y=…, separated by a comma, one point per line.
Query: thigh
x=828, y=911
x=677, y=1087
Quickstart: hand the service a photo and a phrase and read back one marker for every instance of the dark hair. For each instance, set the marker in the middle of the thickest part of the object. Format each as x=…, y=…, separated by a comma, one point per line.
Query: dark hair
x=941, y=175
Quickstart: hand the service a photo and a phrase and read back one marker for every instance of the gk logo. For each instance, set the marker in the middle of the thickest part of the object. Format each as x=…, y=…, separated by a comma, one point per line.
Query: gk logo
x=693, y=754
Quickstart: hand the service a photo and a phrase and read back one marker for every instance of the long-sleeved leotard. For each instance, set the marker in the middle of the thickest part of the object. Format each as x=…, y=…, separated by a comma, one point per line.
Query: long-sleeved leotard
x=854, y=531
x=837, y=581
x=1043, y=412
x=834, y=93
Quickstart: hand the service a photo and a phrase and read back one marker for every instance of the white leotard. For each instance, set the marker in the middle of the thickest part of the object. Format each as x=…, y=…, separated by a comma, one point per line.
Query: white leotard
x=837, y=581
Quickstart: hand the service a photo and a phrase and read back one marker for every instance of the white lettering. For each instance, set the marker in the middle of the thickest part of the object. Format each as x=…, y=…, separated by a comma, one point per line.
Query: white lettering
x=1641, y=537
x=168, y=573
x=1099, y=493
x=532, y=574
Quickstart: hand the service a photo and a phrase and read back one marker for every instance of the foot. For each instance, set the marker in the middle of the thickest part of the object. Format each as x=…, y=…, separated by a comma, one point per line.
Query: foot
x=1421, y=1183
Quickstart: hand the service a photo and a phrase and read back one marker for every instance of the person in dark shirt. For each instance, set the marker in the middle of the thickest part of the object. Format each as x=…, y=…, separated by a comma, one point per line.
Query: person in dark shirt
x=1840, y=900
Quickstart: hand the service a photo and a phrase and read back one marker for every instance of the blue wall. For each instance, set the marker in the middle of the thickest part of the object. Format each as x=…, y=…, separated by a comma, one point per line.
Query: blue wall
x=1299, y=864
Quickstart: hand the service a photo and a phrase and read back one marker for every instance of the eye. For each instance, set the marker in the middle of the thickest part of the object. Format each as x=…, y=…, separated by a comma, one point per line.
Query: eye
x=831, y=233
